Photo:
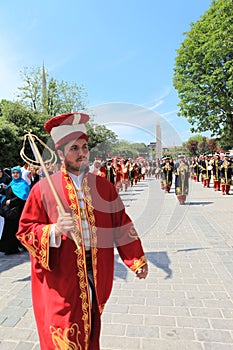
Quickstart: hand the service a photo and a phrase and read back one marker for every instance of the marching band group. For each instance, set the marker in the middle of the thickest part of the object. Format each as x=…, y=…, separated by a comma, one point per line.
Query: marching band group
x=125, y=173
x=204, y=168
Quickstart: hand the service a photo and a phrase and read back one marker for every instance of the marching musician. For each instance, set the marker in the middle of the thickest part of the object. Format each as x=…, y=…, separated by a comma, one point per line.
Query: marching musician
x=167, y=171
x=125, y=173
x=110, y=171
x=181, y=171
x=226, y=174
x=206, y=168
x=215, y=163
x=196, y=169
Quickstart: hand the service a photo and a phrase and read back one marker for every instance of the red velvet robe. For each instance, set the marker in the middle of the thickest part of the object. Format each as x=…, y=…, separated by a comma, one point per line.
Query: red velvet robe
x=60, y=290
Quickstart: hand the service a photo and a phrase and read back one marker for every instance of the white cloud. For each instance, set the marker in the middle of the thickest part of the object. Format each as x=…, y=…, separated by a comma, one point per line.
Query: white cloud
x=134, y=123
x=159, y=103
x=170, y=113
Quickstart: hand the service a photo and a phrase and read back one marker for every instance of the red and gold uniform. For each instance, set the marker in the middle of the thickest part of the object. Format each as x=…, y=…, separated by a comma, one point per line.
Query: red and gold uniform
x=216, y=163
x=226, y=167
x=136, y=173
x=167, y=174
x=206, y=168
x=125, y=173
x=117, y=171
x=60, y=288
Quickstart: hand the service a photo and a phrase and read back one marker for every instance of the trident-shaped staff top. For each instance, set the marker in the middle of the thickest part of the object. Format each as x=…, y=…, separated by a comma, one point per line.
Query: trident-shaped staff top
x=39, y=160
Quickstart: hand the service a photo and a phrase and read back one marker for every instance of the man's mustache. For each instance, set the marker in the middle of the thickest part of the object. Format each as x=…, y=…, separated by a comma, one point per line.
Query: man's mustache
x=79, y=159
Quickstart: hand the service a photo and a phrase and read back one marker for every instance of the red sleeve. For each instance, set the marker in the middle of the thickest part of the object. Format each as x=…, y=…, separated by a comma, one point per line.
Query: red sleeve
x=34, y=228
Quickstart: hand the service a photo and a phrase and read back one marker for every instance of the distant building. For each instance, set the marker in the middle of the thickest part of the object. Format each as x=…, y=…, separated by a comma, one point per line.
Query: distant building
x=152, y=148
x=164, y=150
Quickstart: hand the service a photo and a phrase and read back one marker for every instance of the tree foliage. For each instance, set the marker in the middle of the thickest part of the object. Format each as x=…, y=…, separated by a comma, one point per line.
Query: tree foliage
x=203, y=72
x=213, y=145
x=15, y=121
x=47, y=95
x=42, y=97
x=198, y=144
x=192, y=147
x=101, y=141
x=127, y=149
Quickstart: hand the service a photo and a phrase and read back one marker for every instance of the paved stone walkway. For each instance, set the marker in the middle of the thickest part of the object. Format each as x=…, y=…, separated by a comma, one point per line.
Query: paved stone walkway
x=187, y=300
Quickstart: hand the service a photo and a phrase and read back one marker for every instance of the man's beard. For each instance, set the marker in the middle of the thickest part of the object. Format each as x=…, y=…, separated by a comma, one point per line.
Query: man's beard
x=79, y=167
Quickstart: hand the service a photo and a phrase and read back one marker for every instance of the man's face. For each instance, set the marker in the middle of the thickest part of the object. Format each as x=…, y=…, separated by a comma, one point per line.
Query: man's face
x=75, y=156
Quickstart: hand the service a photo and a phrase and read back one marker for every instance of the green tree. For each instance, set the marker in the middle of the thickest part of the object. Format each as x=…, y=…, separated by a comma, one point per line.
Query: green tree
x=123, y=149
x=48, y=96
x=9, y=144
x=191, y=147
x=225, y=144
x=203, y=146
x=101, y=141
x=213, y=145
x=127, y=149
x=22, y=117
x=140, y=148
x=15, y=121
x=199, y=144
x=203, y=72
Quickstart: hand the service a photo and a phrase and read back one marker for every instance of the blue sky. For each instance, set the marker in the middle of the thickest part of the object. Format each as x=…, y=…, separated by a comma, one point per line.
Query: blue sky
x=122, y=52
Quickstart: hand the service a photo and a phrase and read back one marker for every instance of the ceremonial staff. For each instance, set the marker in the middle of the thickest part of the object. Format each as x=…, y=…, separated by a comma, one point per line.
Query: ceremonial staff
x=42, y=163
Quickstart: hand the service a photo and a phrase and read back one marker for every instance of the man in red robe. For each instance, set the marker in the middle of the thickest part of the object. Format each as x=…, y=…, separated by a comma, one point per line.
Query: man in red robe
x=72, y=250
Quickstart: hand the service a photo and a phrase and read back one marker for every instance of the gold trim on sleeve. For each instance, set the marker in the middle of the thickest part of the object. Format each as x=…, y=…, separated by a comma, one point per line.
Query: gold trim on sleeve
x=138, y=263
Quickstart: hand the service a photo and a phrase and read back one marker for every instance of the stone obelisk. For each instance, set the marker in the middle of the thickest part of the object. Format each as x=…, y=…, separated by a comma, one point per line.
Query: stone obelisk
x=158, y=141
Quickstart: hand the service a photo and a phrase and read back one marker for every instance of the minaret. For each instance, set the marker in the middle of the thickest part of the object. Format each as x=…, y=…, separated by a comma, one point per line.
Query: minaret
x=44, y=91
x=158, y=141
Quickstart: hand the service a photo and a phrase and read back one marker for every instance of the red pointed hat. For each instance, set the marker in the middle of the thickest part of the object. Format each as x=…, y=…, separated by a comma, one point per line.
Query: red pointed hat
x=66, y=127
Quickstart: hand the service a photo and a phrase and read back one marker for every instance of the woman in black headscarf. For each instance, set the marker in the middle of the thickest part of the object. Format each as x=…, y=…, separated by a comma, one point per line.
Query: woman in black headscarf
x=13, y=199
x=5, y=179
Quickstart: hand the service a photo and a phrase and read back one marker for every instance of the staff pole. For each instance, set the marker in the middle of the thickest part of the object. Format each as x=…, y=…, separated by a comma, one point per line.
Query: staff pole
x=51, y=185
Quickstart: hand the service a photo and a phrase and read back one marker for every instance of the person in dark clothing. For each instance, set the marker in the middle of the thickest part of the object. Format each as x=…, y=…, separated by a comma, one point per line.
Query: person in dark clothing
x=35, y=176
x=181, y=171
x=167, y=173
x=12, y=202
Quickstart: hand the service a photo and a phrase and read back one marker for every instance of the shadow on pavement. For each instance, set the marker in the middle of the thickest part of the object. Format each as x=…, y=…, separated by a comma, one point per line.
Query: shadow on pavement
x=161, y=261
x=189, y=249
x=120, y=270
x=158, y=259
x=198, y=203
x=9, y=261
x=137, y=190
x=25, y=279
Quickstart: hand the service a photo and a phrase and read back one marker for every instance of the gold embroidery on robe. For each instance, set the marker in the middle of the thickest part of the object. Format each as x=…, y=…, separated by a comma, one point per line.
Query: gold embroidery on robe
x=60, y=338
x=81, y=263
x=27, y=240
x=138, y=263
x=30, y=241
x=44, y=251
x=93, y=236
x=133, y=232
x=92, y=227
